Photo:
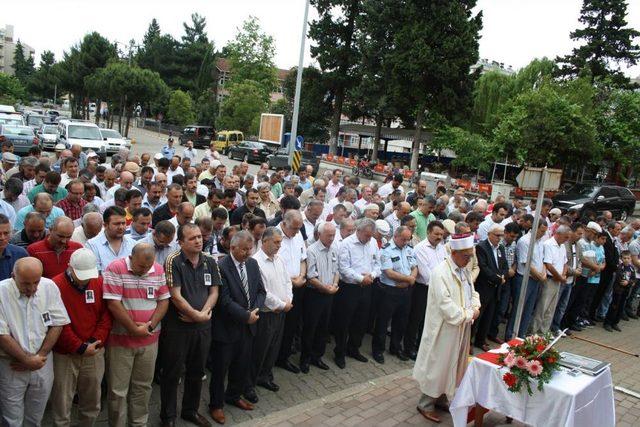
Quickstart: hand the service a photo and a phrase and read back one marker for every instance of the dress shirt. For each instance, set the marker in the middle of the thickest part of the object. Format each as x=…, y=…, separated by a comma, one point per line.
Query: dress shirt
x=79, y=236
x=308, y=227
x=19, y=224
x=190, y=153
x=23, y=318
x=131, y=232
x=555, y=255
x=322, y=263
x=428, y=257
x=28, y=186
x=7, y=210
x=292, y=251
x=484, y=227
x=162, y=252
x=393, y=220
x=400, y=260
x=522, y=250
x=168, y=152
x=146, y=204
x=332, y=189
x=105, y=254
x=20, y=202
x=386, y=189
x=171, y=173
x=276, y=281
x=8, y=258
x=357, y=259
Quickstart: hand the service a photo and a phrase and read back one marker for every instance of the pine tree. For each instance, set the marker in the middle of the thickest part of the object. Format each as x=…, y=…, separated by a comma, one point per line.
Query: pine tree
x=23, y=66
x=606, y=40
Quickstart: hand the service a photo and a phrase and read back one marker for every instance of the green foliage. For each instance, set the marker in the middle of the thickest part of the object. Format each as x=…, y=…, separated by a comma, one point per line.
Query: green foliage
x=159, y=53
x=23, y=66
x=42, y=82
x=207, y=109
x=195, y=58
x=11, y=90
x=544, y=127
x=618, y=123
x=605, y=43
x=180, y=110
x=242, y=109
x=472, y=150
x=251, y=56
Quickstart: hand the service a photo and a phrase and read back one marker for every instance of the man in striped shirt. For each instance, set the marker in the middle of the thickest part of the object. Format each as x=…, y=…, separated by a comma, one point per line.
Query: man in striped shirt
x=138, y=298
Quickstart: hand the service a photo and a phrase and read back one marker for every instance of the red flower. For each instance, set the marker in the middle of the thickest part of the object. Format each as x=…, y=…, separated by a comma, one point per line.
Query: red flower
x=551, y=360
x=540, y=347
x=509, y=379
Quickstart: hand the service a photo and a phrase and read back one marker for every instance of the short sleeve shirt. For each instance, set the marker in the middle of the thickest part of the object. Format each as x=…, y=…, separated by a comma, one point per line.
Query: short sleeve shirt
x=194, y=283
x=400, y=260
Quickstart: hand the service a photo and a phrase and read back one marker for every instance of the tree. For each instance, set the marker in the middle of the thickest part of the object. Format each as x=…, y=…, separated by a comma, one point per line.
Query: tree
x=335, y=33
x=159, y=53
x=207, y=108
x=605, y=43
x=152, y=34
x=180, y=109
x=195, y=58
x=251, y=54
x=435, y=45
x=11, y=90
x=43, y=81
x=23, y=65
x=472, y=150
x=544, y=127
x=242, y=109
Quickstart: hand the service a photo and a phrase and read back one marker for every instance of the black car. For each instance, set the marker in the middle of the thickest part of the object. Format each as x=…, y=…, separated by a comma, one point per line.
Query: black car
x=201, y=136
x=250, y=151
x=281, y=159
x=597, y=198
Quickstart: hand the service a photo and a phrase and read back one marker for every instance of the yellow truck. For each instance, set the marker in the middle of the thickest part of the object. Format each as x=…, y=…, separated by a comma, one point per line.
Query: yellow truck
x=227, y=139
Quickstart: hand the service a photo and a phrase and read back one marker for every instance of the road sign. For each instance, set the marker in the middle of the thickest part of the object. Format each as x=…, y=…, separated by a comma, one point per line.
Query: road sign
x=295, y=161
x=299, y=141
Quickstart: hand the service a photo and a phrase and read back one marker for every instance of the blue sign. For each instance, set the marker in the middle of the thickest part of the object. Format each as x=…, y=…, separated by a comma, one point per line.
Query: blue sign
x=299, y=140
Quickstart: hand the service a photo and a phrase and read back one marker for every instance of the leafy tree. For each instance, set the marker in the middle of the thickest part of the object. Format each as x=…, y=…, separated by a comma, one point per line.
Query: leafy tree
x=605, y=42
x=152, y=34
x=491, y=91
x=195, y=58
x=23, y=65
x=435, y=45
x=544, y=127
x=180, y=110
x=11, y=90
x=472, y=150
x=159, y=53
x=43, y=81
x=335, y=33
x=207, y=108
x=251, y=55
x=242, y=109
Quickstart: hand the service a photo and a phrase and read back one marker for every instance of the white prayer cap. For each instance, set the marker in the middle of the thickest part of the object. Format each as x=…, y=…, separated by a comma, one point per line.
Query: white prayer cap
x=383, y=227
x=460, y=242
x=555, y=211
x=372, y=206
x=594, y=226
x=158, y=156
x=348, y=206
x=215, y=163
x=449, y=225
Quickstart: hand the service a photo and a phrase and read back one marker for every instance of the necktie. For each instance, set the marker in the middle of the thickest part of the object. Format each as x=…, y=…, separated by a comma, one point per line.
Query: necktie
x=245, y=283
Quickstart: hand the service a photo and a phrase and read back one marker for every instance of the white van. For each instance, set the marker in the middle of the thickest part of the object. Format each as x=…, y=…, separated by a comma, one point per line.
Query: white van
x=85, y=134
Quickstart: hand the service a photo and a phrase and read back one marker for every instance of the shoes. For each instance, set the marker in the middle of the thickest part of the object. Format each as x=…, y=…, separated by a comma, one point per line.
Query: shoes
x=319, y=363
x=304, y=367
x=568, y=333
x=271, y=386
x=483, y=347
x=431, y=416
x=624, y=317
x=599, y=319
x=339, y=360
x=196, y=419
x=496, y=340
x=217, y=415
x=242, y=404
x=378, y=357
x=413, y=355
x=633, y=316
x=616, y=328
x=251, y=396
x=358, y=356
x=171, y=423
x=575, y=327
x=288, y=366
x=400, y=355
x=608, y=328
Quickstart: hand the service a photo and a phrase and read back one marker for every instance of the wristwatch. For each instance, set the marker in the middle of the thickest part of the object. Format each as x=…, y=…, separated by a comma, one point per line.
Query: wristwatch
x=150, y=328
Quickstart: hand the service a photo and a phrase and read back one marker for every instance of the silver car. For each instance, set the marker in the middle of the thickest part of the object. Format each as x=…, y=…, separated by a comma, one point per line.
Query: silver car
x=115, y=141
x=48, y=136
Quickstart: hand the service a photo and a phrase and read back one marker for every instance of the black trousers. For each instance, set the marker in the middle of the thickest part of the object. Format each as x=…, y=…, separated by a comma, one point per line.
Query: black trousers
x=315, y=324
x=606, y=282
x=488, y=302
x=577, y=300
x=413, y=333
x=266, y=346
x=291, y=325
x=351, y=307
x=616, y=308
x=393, y=306
x=232, y=359
x=182, y=351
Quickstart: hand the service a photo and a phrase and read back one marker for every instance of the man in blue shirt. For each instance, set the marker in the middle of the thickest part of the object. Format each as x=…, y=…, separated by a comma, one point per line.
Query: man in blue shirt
x=392, y=296
x=168, y=151
x=43, y=203
x=9, y=253
x=7, y=210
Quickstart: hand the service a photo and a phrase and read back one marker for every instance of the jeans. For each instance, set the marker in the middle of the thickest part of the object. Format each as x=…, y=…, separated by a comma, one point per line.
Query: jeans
x=527, y=310
x=563, y=301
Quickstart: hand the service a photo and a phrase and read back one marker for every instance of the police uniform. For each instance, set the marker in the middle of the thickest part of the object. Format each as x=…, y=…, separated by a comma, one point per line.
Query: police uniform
x=393, y=298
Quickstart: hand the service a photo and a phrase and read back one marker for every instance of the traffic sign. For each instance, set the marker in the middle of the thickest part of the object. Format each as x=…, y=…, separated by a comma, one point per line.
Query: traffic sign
x=295, y=161
x=299, y=140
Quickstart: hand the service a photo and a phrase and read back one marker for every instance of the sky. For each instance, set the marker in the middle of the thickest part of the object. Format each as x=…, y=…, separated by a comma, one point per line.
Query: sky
x=514, y=31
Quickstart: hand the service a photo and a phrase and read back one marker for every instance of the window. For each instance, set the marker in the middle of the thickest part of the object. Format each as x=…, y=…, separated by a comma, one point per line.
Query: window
x=233, y=137
x=608, y=192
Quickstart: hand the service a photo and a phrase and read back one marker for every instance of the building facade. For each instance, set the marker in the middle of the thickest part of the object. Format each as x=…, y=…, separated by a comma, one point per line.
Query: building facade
x=7, y=49
x=223, y=67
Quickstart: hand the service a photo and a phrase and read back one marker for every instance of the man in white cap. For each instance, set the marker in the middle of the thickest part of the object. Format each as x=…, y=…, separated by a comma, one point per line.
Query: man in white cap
x=452, y=306
x=78, y=359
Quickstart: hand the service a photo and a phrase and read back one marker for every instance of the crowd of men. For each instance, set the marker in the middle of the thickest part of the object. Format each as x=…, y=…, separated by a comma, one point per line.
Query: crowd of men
x=175, y=267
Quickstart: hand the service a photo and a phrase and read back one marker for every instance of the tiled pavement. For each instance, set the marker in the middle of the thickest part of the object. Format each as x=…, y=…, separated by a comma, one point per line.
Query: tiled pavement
x=370, y=394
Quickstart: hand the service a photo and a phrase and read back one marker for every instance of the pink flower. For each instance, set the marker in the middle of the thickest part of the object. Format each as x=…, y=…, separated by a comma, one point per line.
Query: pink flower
x=534, y=367
x=510, y=359
x=521, y=362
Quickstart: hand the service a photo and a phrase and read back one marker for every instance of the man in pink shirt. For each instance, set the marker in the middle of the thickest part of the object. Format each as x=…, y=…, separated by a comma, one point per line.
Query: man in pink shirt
x=138, y=297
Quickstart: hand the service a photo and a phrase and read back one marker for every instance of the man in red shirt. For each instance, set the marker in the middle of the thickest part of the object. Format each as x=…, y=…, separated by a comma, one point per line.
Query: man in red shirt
x=78, y=358
x=55, y=251
x=73, y=204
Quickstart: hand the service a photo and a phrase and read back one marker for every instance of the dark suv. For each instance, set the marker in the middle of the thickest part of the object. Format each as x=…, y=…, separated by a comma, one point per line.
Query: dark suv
x=281, y=159
x=200, y=135
x=597, y=198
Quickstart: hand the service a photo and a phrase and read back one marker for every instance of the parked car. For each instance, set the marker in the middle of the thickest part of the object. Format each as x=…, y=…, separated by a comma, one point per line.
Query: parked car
x=48, y=136
x=12, y=119
x=85, y=134
x=36, y=120
x=115, y=141
x=597, y=198
x=250, y=151
x=201, y=136
x=227, y=139
x=21, y=137
x=281, y=159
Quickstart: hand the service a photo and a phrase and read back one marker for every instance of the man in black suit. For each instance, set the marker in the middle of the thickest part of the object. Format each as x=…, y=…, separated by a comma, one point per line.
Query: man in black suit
x=602, y=297
x=234, y=326
x=492, y=261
